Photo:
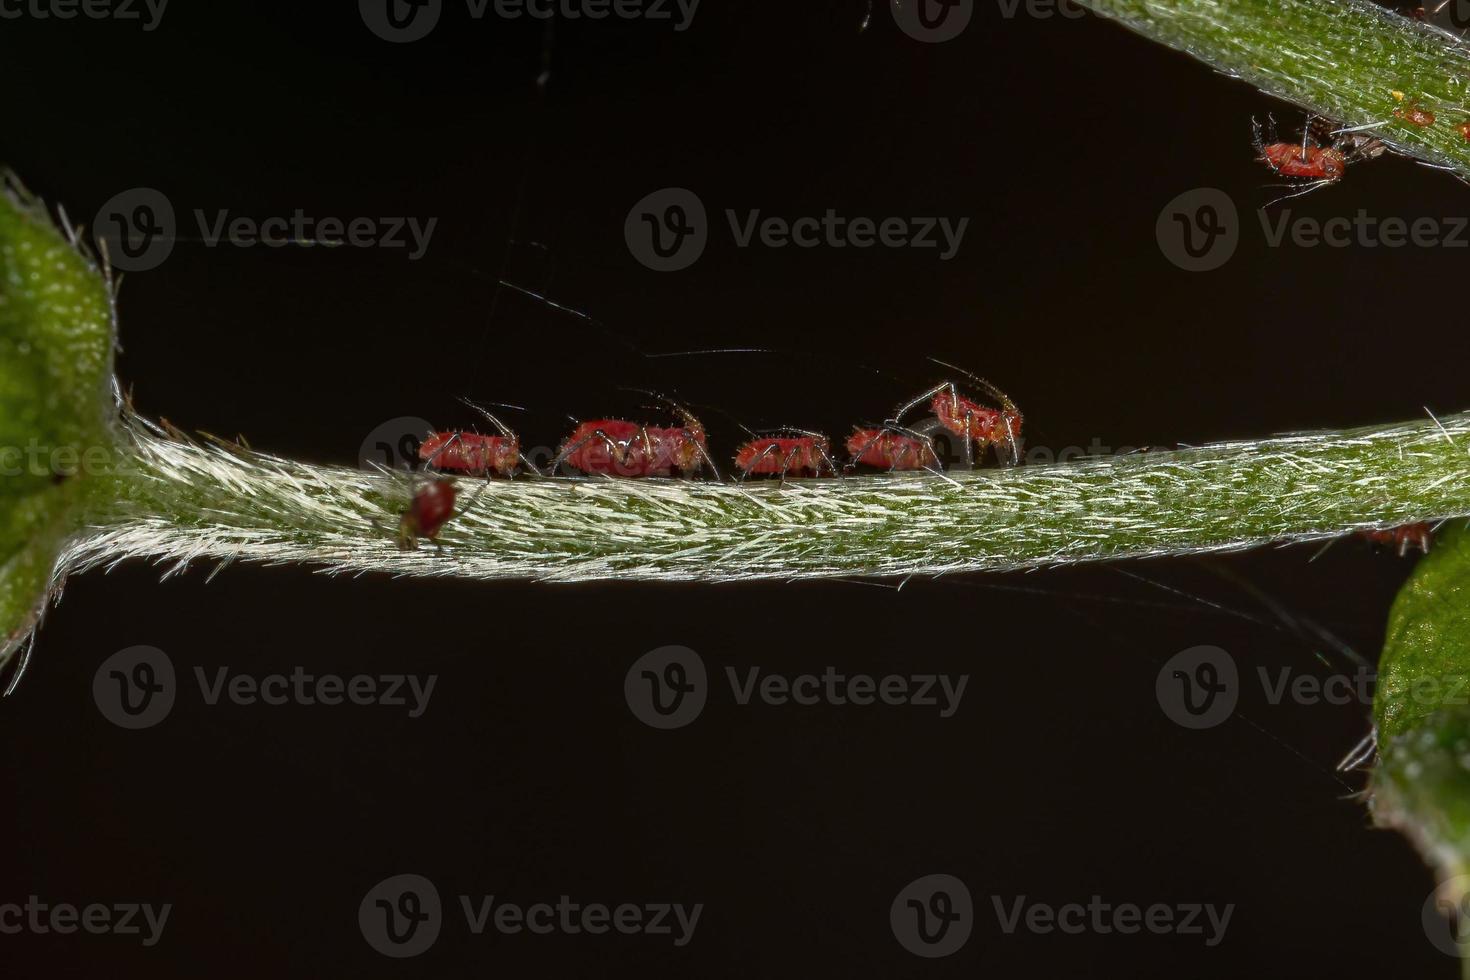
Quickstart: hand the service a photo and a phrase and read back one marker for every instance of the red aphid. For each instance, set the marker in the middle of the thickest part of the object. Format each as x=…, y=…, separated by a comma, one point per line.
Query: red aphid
x=472, y=453
x=794, y=455
x=615, y=447
x=431, y=507
x=891, y=449
x=981, y=424
x=1401, y=539
x=1298, y=160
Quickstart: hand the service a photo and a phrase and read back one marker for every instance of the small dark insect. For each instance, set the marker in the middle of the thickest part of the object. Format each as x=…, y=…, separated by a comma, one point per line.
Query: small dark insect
x=892, y=448
x=474, y=453
x=800, y=454
x=1414, y=115
x=979, y=425
x=614, y=447
x=1401, y=539
x=431, y=507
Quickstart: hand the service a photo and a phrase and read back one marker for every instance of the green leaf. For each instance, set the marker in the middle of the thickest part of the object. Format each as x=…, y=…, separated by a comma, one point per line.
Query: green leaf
x=57, y=409
x=1421, y=785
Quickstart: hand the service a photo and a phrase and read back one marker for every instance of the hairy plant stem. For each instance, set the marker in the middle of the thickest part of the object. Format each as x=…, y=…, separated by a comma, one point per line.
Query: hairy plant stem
x=179, y=501
x=1342, y=59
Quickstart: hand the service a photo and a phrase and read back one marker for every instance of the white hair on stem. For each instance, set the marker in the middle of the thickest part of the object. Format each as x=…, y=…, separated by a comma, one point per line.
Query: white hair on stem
x=179, y=502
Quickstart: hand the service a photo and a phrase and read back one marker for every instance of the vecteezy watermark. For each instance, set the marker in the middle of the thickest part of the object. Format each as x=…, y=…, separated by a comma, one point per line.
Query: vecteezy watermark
x=668, y=688
x=1446, y=916
x=1200, y=687
x=668, y=230
x=394, y=444
x=932, y=916
x=402, y=21
x=147, y=12
x=97, y=918
x=137, y=688
x=1206, y=920
x=138, y=228
x=402, y=916
x=1199, y=230
x=58, y=463
x=933, y=20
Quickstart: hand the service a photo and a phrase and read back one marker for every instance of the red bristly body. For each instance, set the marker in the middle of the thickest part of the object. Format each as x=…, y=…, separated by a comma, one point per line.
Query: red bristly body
x=472, y=453
x=890, y=450
x=1402, y=539
x=784, y=455
x=985, y=425
x=431, y=507
x=1295, y=160
x=636, y=450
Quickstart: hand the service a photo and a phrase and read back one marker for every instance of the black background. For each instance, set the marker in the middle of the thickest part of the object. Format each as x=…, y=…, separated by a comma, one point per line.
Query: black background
x=527, y=778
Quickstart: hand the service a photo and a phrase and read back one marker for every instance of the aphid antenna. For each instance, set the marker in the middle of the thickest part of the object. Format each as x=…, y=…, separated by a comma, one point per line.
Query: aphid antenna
x=570, y=311
x=1315, y=185
x=986, y=386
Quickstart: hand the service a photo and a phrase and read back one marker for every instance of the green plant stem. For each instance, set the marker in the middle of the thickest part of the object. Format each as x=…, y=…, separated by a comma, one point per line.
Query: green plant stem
x=1342, y=59
x=178, y=500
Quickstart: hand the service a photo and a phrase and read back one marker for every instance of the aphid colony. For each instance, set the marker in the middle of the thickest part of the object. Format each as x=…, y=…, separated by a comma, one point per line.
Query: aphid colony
x=619, y=448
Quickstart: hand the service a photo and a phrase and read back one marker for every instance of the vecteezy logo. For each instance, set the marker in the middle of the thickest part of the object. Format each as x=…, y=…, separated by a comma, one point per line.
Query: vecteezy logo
x=400, y=21
x=1198, y=230
x=667, y=230
x=1446, y=916
x=136, y=229
x=667, y=687
x=394, y=444
x=933, y=20
x=134, y=688
x=401, y=916
x=932, y=916
x=1198, y=687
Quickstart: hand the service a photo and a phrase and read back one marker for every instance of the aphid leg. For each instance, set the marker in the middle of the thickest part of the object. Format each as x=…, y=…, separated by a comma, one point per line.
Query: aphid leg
x=612, y=446
x=909, y=406
x=705, y=459
x=1313, y=186
x=429, y=463
x=786, y=465
x=831, y=465
x=755, y=462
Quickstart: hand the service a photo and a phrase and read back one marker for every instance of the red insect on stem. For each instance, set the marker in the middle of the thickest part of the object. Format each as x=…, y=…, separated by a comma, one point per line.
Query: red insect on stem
x=432, y=505
x=801, y=453
x=1313, y=160
x=1402, y=539
x=615, y=447
x=892, y=448
x=474, y=453
x=978, y=425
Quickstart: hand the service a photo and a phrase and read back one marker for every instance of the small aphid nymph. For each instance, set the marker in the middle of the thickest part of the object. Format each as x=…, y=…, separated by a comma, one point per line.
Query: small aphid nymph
x=1414, y=115
x=431, y=507
x=614, y=447
x=799, y=454
x=1312, y=160
x=1464, y=130
x=1402, y=539
x=979, y=426
x=892, y=448
x=473, y=453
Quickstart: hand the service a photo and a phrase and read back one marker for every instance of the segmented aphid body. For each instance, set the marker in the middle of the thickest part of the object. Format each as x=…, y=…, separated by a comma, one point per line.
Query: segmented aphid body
x=472, y=453
x=1322, y=156
x=978, y=426
x=432, y=505
x=1402, y=539
x=1414, y=115
x=796, y=454
x=615, y=447
x=892, y=449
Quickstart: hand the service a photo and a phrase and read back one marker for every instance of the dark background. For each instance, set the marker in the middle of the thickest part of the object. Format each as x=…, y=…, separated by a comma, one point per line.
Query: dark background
x=527, y=778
